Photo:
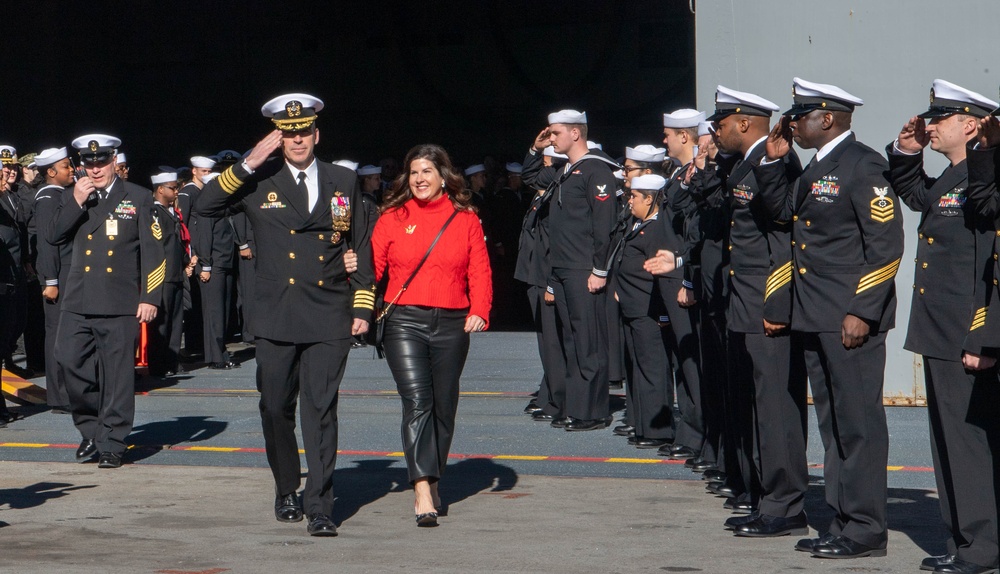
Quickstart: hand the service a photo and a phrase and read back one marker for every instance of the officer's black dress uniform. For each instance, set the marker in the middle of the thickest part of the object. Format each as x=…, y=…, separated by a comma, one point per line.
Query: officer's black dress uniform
x=246, y=271
x=848, y=242
x=165, y=336
x=212, y=240
x=117, y=263
x=302, y=311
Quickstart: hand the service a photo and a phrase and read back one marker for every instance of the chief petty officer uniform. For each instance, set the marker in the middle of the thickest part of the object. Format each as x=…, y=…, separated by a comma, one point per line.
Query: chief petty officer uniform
x=848, y=240
x=767, y=378
x=117, y=264
x=304, y=304
x=165, y=343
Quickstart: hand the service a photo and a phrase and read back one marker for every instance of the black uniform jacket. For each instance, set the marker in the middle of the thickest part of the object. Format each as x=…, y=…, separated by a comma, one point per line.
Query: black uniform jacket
x=949, y=251
x=302, y=290
x=847, y=235
x=173, y=247
x=53, y=260
x=532, y=265
x=760, y=250
x=582, y=214
x=10, y=241
x=982, y=197
x=638, y=291
x=213, y=241
x=118, y=259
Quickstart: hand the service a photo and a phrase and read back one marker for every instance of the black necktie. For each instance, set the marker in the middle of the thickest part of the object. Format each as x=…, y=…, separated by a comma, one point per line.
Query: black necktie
x=303, y=188
x=102, y=193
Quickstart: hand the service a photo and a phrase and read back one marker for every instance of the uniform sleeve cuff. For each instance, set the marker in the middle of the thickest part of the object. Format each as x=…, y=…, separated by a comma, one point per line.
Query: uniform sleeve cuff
x=364, y=299
x=244, y=246
x=51, y=282
x=687, y=284
x=599, y=272
x=206, y=268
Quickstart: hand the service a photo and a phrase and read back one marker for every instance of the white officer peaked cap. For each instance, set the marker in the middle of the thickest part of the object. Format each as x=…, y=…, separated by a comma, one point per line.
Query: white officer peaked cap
x=292, y=112
x=164, y=177
x=648, y=182
x=514, y=167
x=948, y=98
x=96, y=143
x=370, y=170
x=646, y=153
x=809, y=96
x=351, y=165
x=594, y=145
x=729, y=102
x=474, y=169
x=47, y=157
x=551, y=152
x=568, y=117
x=683, y=118
x=202, y=162
x=705, y=128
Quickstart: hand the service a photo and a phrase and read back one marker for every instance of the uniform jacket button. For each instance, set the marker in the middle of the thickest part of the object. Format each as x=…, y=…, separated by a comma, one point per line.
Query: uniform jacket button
x=320, y=283
x=291, y=256
x=802, y=270
x=321, y=258
x=291, y=281
x=109, y=270
x=89, y=237
x=110, y=253
x=87, y=269
x=291, y=231
x=88, y=252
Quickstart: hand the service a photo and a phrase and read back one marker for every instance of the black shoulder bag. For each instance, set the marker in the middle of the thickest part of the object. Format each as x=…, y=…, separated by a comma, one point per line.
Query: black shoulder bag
x=387, y=310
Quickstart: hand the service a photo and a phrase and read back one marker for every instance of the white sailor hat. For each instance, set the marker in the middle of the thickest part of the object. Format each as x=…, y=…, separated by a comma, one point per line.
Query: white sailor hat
x=351, y=165
x=728, y=102
x=120, y=158
x=619, y=174
x=292, y=112
x=514, y=167
x=369, y=170
x=202, y=162
x=228, y=156
x=568, y=117
x=209, y=176
x=594, y=145
x=705, y=128
x=8, y=155
x=96, y=147
x=809, y=96
x=948, y=98
x=163, y=177
x=551, y=152
x=47, y=157
x=683, y=118
x=474, y=169
x=648, y=182
x=647, y=153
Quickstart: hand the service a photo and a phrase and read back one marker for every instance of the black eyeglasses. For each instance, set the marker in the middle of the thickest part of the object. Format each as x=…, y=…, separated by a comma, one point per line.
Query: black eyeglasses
x=626, y=169
x=173, y=187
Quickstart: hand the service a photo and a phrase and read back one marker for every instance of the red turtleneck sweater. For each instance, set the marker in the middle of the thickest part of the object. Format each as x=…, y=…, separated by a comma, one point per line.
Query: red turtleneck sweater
x=457, y=273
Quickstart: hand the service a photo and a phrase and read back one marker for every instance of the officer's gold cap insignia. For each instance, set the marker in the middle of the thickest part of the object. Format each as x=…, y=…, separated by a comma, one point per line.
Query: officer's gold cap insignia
x=5, y=154
x=293, y=108
x=93, y=145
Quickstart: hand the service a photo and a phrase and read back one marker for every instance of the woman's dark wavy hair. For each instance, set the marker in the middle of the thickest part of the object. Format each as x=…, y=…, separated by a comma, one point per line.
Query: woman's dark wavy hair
x=454, y=183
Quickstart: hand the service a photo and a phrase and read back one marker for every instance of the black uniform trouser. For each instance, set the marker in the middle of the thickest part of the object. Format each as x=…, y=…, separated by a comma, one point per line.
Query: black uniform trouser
x=682, y=339
x=165, y=333
x=553, y=366
x=193, y=329
x=965, y=436
x=216, y=296
x=847, y=394
x=97, y=355
x=583, y=340
x=768, y=377
x=651, y=406
x=34, y=325
x=712, y=331
x=287, y=372
x=55, y=379
x=616, y=340
x=245, y=286
x=12, y=317
x=425, y=348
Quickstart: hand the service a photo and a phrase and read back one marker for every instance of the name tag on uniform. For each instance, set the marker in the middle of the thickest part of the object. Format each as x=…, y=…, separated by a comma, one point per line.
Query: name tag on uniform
x=111, y=227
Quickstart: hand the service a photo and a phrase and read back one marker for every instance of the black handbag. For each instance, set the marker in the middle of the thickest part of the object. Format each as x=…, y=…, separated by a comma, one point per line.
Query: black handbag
x=387, y=310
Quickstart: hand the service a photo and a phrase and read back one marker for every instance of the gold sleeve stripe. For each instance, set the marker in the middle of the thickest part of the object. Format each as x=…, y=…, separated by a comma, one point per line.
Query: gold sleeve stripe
x=878, y=276
x=979, y=319
x=364, y=299
x=229, y=182
x=155, y=279
x=779, y=278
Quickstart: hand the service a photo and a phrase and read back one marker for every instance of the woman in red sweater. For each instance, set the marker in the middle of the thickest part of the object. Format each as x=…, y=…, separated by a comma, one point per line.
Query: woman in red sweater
x=427, y=332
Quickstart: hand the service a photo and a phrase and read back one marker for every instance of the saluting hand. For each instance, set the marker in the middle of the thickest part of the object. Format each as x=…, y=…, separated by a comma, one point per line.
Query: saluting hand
x=662, y=263
x=854, y=331
x=542, y=140
x=263, y=149
x=779, y=141
x=474, y=323
x=989, y=131
x=913, y=137
x=82, y=190
x=350, y=261
x=146, y=313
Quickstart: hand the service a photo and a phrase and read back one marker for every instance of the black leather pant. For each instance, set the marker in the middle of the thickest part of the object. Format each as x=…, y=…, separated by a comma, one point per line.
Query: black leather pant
x=425, y=348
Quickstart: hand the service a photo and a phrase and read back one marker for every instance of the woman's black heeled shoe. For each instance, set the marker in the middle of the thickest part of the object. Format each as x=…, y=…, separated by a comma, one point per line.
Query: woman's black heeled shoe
x=427, y=519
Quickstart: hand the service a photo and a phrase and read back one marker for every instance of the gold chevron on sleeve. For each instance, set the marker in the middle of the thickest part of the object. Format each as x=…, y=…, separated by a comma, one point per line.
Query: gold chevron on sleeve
x=365, y=299
x=229, y=182
x=878, y=276
x=979, y=319
x=779, y=278
x=155, y=279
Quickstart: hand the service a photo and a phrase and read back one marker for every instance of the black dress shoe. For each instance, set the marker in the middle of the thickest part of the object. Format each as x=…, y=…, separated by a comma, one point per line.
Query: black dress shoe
x=109, y=460
x=223, y=366
x=714, y=475
x=624, y=430
x=532, y=408
x=641, y=442
x=321, y=525
x=579, y=425
x=59, y=409
x=699, y=464
x=766, y=526
x=932, y=562
x=737, y=507
x=18, y=371
x=959, y=566
x=843, y=547
x=287, y=508
x=427, y=520
x=540, y=416
x=807, y=544
x=87, y=449
x=721, y=489
x=561, y=422
x=732, y=522
x=681, y=452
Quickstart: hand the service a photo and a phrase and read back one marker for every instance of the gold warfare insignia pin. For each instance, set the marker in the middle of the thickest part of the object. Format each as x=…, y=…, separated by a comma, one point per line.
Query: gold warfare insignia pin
x=93, y=145
x=882, y=208
x=272, y=197
x=293, y=108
